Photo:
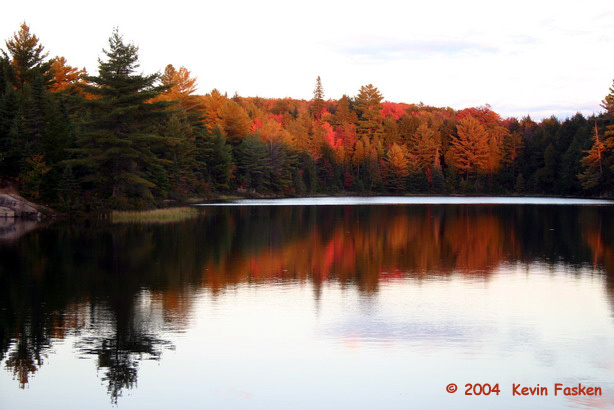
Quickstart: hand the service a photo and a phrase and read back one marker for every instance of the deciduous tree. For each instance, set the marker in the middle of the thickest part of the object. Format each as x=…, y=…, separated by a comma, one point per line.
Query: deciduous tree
x=592, y=175
x=469, y=149
x=369, y=107
x=395, y=168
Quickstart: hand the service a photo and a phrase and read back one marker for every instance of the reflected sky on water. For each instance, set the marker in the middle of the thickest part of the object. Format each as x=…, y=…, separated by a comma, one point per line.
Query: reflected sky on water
x=310, y=306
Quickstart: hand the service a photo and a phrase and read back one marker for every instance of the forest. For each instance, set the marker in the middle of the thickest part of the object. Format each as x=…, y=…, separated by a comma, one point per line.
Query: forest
x=122, y=139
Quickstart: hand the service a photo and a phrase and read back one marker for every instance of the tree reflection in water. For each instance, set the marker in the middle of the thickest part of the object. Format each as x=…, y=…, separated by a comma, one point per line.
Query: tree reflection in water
x=121, y=290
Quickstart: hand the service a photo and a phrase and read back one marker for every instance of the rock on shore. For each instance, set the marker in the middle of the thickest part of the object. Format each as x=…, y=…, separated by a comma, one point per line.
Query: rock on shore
x=14, y=206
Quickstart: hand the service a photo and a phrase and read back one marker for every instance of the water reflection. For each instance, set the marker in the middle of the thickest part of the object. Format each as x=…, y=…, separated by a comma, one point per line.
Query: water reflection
x=121, y=291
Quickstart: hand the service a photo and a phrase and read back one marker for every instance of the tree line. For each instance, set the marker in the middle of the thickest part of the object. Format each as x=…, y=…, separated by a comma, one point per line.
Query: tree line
x=124, y=140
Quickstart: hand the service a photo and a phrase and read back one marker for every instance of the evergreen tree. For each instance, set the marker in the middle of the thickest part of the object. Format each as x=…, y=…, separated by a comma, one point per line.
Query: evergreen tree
x=254, y=164
x=68, y=191
x=180, y=153
x=308, y=173
x=8, y=114
x=519, y=187
x=283, y=163
x=216, y=155
x=545, y=176
x=35, y=130
x=28, y=57
x=117, y=143
x=318, y=104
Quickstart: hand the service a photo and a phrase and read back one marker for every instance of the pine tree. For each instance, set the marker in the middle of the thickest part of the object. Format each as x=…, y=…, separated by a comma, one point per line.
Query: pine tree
x=180, y=154
x=68, y=191
x=546, y=175
x=317, y=104
x=283, y=163
x=117, y=143
x=34, y=125
x=28, y=57
x=216, y=156
x=254, y=164
x=8, y=114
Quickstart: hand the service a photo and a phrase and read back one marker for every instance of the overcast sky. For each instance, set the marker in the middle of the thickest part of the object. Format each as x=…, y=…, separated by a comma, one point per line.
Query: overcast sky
x=527, y=57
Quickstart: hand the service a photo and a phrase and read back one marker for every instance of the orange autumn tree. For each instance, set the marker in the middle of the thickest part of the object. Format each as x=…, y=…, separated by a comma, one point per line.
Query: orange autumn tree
x=608, y=105
x=497, y=134
x=395, y=168
x=344, y=121
x=425, y=144
x=512, y=148
x=182, y=88
x=469, y=149
x=28, y=57
x=234, y=122
x=212, y=107
x=592, y=175
x=65, y=77
x=369, y=107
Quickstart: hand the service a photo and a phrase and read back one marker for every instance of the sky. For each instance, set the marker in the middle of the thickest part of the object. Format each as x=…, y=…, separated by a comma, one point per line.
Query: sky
x=540, y=58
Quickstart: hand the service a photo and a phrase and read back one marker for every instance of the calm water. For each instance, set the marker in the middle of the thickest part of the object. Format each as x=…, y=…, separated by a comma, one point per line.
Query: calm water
x=339, y=306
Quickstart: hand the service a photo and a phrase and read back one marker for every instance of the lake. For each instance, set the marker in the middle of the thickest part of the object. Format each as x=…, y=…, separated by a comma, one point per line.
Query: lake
x=314, y=303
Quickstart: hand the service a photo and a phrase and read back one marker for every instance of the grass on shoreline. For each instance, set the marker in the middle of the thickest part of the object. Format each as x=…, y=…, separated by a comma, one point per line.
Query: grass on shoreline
x=167, y=215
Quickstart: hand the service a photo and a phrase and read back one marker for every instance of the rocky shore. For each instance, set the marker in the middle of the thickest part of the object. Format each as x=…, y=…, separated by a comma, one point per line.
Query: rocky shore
x=19, y=216
x=14, y=206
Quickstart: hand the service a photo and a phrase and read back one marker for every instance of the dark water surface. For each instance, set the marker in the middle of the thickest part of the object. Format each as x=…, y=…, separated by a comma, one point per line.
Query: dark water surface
x=337, y=306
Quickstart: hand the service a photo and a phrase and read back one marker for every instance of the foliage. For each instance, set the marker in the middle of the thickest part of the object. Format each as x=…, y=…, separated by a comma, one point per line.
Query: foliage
x=118, y=143
x=121, y=140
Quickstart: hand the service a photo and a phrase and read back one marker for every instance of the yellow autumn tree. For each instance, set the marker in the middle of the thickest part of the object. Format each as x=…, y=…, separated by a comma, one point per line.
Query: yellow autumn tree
x=395, y=168
x=233, y=121
x=425, y=144
x=212, y=108
x=182, y=88
x=272, y=131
